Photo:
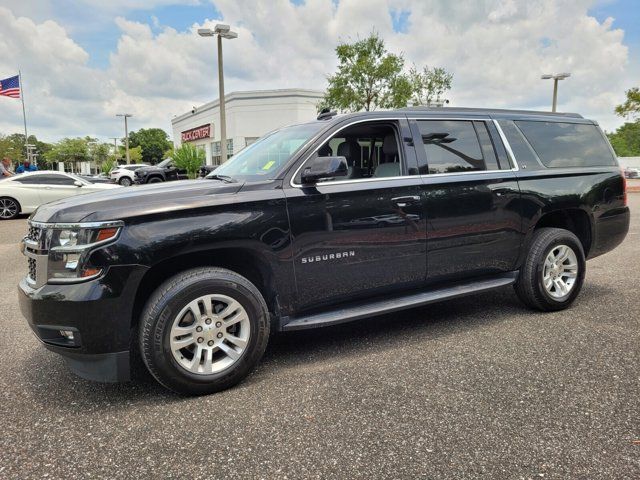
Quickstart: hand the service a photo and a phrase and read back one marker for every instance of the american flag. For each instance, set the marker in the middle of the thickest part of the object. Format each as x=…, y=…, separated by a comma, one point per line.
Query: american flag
x=10, y=87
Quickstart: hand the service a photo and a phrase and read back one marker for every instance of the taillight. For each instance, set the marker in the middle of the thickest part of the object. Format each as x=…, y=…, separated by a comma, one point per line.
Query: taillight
x=624, y=187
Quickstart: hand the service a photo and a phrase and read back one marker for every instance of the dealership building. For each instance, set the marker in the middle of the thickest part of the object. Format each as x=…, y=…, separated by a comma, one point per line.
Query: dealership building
x=249, y=116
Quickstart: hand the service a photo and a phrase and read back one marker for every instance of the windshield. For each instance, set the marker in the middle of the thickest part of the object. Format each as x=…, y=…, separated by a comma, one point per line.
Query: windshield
x=265, y=158
x=164, y=163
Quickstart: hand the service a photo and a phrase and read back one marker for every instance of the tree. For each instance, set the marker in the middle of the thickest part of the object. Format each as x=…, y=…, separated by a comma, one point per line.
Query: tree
x=429, y=85
x=69, y=150
x=626, y=140
x=107, y=165
x=136, y=154
x=12, y=146
x=189, y=158
x=368, y=77
x=153, y=141
x=631, y=107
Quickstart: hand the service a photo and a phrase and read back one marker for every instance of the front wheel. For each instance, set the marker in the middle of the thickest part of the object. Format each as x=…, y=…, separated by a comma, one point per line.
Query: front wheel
x=125, y=182
x=9, y=208
x=203, y=331
x=553, y=272
x=154, y=180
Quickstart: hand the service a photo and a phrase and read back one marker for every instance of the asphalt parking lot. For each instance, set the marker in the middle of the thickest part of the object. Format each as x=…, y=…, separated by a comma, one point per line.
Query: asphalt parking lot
x=473, y=388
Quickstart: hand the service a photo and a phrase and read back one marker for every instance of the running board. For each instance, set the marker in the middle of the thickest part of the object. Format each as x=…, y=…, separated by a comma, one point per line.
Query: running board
x=372, y=308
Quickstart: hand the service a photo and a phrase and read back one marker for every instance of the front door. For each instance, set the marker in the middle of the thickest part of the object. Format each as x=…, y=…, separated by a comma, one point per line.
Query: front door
x=472, y=199
x=364, y=234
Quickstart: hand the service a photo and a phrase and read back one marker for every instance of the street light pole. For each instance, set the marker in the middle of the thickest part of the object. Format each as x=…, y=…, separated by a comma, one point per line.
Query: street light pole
x=126, y=134
x=555, y=77
x=222, y=31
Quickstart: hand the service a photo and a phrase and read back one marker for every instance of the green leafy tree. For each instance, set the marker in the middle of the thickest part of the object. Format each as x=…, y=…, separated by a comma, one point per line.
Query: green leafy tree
x=69, y=150
x=631, y=107
x=368, y=77
x=189, y=158
x=136, y=154
x=626, y=140
x=428, y=85
x=12, y=146
x=108, y=164
x=153, y=142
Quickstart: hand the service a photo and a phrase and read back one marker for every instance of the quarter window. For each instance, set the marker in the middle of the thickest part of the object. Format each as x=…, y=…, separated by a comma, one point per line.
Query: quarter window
x=454, y=146
x=560, y=144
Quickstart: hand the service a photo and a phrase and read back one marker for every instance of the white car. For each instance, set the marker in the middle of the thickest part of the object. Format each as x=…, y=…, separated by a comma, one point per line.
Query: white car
x=123, y=174
x=25, y=192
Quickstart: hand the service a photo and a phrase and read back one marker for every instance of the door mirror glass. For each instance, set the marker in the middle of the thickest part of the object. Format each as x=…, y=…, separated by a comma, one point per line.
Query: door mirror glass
x=325, y=167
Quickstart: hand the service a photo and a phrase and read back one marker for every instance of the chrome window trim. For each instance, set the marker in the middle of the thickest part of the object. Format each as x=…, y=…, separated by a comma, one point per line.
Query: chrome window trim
x=342, y=182
x=507, y=146
x=475, y=172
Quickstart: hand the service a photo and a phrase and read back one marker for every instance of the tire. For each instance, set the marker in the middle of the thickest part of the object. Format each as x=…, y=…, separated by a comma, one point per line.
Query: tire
x=9, y=208
x=534, y=273
x=125, y=181
x=162, y=318
x=155, y=180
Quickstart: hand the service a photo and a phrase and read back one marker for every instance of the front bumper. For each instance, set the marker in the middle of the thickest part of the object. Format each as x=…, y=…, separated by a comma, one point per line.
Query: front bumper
x=99, y=312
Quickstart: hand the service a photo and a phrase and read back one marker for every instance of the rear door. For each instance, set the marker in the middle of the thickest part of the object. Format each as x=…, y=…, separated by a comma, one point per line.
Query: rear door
x=365, y=234
x=471, y=198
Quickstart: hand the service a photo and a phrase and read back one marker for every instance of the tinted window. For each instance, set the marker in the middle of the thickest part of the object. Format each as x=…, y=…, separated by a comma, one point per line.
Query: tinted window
x=46, y=180
x=567, y=144
x=525, y=155
x=451, y=146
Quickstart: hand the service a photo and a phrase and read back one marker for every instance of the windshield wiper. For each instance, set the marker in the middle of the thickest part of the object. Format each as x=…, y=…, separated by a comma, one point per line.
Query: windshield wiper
x=224, y=178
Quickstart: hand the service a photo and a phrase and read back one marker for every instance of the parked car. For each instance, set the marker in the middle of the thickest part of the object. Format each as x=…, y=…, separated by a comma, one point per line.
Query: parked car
x=124, y=174
x=25, y=192
x=162, y=172
x=95, y=178
x=631, y=172
x=193, y=276
x=205, y=170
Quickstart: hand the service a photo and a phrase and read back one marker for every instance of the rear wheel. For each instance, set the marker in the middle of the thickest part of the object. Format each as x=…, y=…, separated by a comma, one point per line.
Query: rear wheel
x=203, y=331
x=553, y=272
x=9, y=208
x=125, y=181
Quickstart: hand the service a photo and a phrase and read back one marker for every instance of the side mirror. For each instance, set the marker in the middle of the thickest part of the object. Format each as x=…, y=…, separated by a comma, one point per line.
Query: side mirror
x=78, y=183
x=324, y=167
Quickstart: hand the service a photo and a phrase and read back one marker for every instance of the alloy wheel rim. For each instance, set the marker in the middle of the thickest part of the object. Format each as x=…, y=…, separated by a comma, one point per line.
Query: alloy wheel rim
x=209, y=334
x=8, y=208
x=560, y=271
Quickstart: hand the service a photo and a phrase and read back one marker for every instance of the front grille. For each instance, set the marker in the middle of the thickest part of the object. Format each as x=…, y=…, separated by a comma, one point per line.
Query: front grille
x=34, y=233
x=32, y=270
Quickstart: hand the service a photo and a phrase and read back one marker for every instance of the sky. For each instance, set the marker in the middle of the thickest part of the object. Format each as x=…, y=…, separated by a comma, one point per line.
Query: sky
x=84, y=61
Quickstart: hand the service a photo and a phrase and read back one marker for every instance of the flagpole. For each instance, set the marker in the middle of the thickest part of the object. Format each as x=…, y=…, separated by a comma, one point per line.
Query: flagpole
x=24, y=117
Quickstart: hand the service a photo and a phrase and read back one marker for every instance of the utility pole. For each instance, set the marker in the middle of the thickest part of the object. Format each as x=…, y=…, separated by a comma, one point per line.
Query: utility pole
x=126, y=134
x=555, y=77
x=115, y=148
x=222, y=31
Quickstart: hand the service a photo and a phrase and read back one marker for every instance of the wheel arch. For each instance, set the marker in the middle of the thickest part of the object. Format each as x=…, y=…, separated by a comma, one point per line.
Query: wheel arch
x=243, y=261
x=576, y=220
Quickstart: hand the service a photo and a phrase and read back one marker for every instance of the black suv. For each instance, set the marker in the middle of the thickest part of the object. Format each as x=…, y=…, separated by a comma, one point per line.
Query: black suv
x=339, y=219
x=162, y=172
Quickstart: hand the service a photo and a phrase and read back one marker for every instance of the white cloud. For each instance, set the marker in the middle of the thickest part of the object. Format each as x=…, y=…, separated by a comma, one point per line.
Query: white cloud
x=496, y=50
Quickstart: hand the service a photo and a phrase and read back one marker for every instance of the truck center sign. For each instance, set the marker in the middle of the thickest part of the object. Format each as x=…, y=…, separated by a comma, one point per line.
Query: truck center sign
x=197, y=133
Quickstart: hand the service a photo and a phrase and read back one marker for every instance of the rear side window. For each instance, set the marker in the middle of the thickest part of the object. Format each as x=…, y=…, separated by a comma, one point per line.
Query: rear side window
x=525, y=155
x=567, y=144
x=453, y=146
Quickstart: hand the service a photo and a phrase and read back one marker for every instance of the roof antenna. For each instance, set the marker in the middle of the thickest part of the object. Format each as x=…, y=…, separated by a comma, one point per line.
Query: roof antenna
x=326, y=114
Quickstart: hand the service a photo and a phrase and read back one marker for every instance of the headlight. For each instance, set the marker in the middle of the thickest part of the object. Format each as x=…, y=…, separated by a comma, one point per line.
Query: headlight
x=69, y=248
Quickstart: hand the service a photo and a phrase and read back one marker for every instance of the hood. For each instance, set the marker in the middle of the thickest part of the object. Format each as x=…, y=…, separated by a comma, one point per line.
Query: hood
x=148, y=168
x=122, y=203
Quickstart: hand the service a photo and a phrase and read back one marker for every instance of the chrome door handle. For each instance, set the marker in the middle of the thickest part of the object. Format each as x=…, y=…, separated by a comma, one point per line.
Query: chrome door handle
x=404, y=201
